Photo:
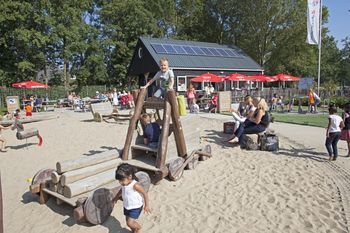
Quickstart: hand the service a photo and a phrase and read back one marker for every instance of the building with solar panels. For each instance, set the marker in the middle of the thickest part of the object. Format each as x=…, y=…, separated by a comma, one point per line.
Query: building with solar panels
x=189, y=59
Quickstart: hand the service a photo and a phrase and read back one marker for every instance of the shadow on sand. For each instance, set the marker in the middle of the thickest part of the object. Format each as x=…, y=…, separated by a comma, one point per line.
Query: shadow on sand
x=25, y=145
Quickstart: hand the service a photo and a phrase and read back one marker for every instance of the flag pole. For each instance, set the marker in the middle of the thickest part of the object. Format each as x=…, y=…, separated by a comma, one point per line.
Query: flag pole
x=319, y=50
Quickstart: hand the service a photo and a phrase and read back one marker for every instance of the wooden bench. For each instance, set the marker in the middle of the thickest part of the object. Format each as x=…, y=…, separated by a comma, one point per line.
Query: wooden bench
x=104, y=110
x=87, y=183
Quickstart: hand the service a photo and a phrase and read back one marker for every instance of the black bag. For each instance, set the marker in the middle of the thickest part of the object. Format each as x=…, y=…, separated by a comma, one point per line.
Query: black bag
x=269, y=142
x=248, y=143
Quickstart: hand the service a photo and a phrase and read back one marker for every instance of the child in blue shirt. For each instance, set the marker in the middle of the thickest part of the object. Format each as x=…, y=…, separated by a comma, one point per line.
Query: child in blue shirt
x=151, y=131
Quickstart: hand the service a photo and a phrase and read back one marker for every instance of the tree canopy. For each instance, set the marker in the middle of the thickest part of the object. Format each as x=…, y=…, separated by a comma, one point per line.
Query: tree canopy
x=94, y=40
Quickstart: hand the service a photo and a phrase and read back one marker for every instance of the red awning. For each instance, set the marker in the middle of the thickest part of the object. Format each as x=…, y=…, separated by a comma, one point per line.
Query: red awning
x=208, y=78
x=30, y=84
x=286, y=77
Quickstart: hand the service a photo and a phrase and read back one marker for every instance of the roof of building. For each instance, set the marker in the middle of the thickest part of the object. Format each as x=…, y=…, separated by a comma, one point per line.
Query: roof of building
x=189, y=55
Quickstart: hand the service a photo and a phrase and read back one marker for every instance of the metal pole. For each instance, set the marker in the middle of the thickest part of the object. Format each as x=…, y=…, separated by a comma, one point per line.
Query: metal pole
x=319, y=50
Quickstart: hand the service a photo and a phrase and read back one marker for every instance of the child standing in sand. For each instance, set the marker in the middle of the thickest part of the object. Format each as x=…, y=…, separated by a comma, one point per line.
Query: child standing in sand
x=335, y=124
x=2, y=139
x=134, y=196
x=345, y=133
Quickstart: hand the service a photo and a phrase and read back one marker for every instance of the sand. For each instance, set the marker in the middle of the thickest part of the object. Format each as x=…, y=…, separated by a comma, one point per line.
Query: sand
x=294, y=190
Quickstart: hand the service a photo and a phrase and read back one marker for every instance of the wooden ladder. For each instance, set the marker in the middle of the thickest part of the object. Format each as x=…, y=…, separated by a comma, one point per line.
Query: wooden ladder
x=170, y=114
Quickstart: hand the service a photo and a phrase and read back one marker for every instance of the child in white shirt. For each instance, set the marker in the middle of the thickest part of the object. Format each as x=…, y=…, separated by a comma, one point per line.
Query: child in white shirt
x=335, y=124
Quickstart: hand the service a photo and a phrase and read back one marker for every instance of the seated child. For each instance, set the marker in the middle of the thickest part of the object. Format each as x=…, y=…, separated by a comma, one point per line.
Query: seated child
x=28, y=108
x=195, y=108
x=151, y=131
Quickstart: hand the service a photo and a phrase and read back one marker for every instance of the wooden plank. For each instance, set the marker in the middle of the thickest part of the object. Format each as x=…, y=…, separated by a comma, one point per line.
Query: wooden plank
x=144, y=148
x=104, y=108
x=178, y=130
x=143, y=164
x=70, y=201
x=75, y=175
x=133, y=121
x=81, y=162
x=89, y=183
x=163, y=140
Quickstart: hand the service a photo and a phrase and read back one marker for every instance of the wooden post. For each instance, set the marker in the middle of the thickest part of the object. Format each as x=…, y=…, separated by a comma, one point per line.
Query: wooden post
x=163, y=145
x=177, y=127
x=43, y=196
x=1, y=210
x=133, y=121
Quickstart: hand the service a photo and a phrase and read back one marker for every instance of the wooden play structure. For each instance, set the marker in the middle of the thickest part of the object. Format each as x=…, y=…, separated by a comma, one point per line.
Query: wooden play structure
x=104, y=111
x=179, y=145
x=87, y=184
x=22, y=133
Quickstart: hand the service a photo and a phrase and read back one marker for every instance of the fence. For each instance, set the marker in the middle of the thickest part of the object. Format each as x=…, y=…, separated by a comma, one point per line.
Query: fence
x=53, y=93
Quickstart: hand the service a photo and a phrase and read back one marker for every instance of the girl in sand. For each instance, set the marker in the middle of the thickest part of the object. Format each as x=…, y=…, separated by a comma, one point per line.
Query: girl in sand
x=134, y=196
x=345, y=133
x=335, y=124
x=2, y=139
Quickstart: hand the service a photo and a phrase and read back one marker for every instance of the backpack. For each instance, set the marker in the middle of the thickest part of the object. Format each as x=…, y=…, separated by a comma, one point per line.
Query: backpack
x=269, y=142
x=248, y=143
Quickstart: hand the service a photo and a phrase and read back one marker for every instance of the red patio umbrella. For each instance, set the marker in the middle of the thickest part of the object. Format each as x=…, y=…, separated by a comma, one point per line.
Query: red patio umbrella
x=262, y=78
x=30, y=84
x=238, y=77
x=286, y=77
x=208, y=78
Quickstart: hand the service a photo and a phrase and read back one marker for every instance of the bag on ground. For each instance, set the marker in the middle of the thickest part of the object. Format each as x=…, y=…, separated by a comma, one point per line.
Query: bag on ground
x=269, y=142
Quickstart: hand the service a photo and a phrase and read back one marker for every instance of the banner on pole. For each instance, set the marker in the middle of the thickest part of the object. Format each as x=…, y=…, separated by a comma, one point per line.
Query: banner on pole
x=313, y=21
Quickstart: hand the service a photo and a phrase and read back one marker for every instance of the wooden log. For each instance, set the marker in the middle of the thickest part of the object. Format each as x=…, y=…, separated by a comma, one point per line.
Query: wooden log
x=99, y=206
x=144, y=180
x=89, y=183
x=40, y=177
x=55, y=178
x=72, y=176
x=43, y=196
x=1, y=210
x=163, y=144
x=70, y=165
x=60, y=189
x=178, y=130
x=78, y=214
x=132, y=124
x=174, y=166
x=193, y=163
x=52, y=186
x=178, y=170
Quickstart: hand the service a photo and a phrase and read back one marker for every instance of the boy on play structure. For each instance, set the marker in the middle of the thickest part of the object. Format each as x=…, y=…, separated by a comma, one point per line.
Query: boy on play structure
x=166, y=77
x=135, y=198
x=151, y=131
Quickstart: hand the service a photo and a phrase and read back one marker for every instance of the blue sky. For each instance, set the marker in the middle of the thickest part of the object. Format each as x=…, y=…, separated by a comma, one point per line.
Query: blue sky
x=339, y=19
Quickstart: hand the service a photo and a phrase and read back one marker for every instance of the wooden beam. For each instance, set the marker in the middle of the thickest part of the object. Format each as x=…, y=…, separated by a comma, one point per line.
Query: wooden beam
x=72, y=176
x=55, y=178
x=89, y=183
x=178, y=130
x=133, y=121
x=163, y=144
x=85, y=161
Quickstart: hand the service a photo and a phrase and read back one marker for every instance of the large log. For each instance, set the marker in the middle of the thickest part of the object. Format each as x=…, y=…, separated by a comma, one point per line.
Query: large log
x=72, y=176
x=163, y=145
x=89, y=183
x=73, y=164
x=55, y=178
x=178, y=130
x=133, y=121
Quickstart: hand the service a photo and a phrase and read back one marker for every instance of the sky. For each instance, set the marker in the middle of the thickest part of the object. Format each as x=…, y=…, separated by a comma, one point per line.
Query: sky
x=339, y=19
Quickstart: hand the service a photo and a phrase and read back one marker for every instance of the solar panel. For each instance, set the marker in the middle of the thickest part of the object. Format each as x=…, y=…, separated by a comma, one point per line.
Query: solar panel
x=213, y=51
x=158, y=48
x=189, y=50
x=169, y=49
x=196, y=50
x=179, y=49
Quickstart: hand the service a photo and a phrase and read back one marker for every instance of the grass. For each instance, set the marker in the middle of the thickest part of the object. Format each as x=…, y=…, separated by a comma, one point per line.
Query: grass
x=318, y=120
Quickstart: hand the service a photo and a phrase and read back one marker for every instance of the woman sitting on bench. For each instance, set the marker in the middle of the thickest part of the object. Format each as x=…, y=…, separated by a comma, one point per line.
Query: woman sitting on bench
x=257, y=123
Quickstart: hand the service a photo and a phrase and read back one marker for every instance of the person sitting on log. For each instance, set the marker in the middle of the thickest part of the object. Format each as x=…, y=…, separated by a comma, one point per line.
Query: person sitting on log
x=24, y=134
x=134, y=196
x=151, y=131
x=2, y=139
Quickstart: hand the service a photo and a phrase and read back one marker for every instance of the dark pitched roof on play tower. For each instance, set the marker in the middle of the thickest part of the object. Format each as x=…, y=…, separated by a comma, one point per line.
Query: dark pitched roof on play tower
x=183, y=55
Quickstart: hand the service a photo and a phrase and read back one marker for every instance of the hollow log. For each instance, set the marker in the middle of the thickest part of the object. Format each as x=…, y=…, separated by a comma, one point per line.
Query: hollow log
x=70, y=165
x=178, y=130
x=163, y=145
x=55, y=178
x=72, y=176
x=89, y=183
x=60, y=188
x=133, y=121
